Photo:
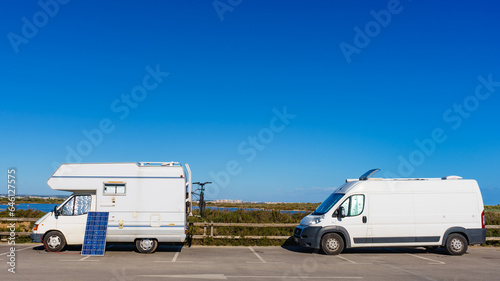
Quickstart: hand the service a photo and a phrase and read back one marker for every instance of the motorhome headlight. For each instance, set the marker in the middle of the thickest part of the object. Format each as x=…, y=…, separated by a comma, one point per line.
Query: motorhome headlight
x=317, y=220
x=35, y=228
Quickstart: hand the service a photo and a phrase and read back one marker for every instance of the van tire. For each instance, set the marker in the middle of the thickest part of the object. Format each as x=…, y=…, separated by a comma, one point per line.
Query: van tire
x=54, y=241
x=146, y=245
x=332, y=244
x=456, y=244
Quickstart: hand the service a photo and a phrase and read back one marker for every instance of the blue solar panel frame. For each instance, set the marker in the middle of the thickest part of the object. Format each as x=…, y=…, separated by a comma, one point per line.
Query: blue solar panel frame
x=94, y=242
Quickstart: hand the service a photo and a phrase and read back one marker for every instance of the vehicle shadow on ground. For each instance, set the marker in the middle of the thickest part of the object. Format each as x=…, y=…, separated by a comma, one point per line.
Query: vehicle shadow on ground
x=118, y=247
x=385, y=250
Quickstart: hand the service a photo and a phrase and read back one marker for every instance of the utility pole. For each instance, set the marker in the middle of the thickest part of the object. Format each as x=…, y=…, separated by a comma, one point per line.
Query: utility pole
x=202, y=202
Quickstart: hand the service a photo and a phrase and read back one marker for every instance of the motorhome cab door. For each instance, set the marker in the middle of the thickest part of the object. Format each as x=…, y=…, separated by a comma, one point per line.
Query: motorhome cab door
x=355, y=220
x=72, y=217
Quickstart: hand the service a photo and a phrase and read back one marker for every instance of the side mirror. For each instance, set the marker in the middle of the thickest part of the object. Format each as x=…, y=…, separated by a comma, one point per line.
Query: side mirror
x=341, y=212
x=56, y=213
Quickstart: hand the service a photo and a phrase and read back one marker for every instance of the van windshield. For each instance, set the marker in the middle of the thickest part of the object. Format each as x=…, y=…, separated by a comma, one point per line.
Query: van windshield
x=328, y=204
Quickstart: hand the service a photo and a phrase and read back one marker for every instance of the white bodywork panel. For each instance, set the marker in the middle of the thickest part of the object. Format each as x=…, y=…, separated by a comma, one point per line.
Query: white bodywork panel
x=152, y=206
x=401, y=208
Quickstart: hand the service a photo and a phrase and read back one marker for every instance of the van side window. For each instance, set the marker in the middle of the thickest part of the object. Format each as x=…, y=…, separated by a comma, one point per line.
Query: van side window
x=357, y=205
x=68, y=207
x=82, y=205
x=114, y=189
x=77, y=205
x=354, y=205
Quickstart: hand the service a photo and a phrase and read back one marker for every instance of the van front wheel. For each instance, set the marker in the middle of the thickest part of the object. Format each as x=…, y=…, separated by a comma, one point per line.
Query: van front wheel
x=456, y=244
x=146, y=245
x=332, y=244
x=54, y=241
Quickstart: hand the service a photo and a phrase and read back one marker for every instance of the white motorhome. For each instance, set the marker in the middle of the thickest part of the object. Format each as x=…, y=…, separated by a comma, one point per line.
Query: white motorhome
x=148, y=203
x=392, y=212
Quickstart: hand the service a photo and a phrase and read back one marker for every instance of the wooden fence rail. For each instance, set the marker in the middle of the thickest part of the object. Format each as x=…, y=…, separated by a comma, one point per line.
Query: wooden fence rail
x=213, y=225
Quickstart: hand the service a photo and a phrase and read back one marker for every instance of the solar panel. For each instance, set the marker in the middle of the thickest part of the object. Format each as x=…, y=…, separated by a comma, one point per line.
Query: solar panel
x=94, y=241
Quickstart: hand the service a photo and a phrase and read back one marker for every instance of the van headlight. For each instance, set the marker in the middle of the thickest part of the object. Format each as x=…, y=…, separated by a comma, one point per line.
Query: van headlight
x=316, y=220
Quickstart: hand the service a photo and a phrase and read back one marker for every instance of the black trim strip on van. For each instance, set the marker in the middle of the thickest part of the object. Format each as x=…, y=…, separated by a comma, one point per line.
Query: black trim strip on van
x=396, y=239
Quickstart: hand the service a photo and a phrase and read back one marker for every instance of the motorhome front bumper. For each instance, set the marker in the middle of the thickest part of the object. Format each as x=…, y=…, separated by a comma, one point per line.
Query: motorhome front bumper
x=36, y=238
x=306, y=236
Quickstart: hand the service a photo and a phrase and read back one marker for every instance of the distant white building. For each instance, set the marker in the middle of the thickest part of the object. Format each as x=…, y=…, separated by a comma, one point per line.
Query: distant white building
x=227, y=201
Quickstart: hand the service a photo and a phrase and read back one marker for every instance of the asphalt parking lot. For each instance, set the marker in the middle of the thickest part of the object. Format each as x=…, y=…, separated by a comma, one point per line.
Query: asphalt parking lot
x=123, y=263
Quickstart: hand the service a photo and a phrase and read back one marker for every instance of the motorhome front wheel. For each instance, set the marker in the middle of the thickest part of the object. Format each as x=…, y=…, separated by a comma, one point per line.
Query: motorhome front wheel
x=54, y=241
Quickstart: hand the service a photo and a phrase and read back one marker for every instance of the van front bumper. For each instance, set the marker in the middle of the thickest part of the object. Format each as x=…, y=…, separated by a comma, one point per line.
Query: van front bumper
x=307, y=236
x=36, y=237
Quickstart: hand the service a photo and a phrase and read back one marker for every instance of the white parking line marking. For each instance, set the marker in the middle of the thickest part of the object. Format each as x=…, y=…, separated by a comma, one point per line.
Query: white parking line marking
x=432, y=261
x=353, y=262
x=346, y=259
x=176, y=255
x=300, y=277
x=174, y=259
x=410, y=272
x=178, y=261
x=30, y=247
x=189, y=276
x=224, y=277
x=260, y=258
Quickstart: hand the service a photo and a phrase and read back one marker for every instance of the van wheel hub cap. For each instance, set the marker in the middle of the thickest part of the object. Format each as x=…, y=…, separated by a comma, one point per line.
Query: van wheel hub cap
x=54, y=241
x=332, y=244
x=456, y=244
x=146, y=244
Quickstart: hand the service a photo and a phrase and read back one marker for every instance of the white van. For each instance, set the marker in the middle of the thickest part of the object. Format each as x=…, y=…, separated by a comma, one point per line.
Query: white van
x=376, y=212
x=148, y=202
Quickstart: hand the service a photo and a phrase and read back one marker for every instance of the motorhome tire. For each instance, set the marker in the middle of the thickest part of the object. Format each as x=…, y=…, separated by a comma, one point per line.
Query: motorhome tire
x=456, y=244
x=146, y=245
x=54, y=241
x=332, y=244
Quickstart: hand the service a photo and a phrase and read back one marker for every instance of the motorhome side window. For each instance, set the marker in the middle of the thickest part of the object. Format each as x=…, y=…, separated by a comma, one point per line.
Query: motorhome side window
x=114, y=189
x=77, y=205
x=354, y=205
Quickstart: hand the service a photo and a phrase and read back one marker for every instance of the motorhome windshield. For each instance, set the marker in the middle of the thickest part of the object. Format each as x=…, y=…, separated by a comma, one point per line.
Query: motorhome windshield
x=328, y=204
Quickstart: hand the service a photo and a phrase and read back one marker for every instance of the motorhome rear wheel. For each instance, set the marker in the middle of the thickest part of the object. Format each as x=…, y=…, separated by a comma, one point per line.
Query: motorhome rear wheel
x=146, y=246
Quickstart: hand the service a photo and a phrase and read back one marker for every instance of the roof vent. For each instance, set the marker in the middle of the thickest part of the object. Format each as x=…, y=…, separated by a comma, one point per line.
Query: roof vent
x=451, y=178
x=368, y=174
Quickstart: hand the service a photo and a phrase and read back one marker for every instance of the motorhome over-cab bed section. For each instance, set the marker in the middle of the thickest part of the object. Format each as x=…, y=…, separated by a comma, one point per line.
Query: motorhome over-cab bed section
x=147, y=202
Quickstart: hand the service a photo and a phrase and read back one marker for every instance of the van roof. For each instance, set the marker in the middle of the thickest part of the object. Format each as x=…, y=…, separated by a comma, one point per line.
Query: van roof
x=407, y=179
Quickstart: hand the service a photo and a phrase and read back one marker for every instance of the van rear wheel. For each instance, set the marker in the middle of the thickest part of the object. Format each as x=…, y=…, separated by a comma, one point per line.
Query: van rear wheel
x=146, y=245
x=456, y=244
x=54, y=241
x=332, y=244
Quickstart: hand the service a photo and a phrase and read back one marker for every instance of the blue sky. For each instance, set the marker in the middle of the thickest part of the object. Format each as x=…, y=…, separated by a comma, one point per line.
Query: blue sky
x=270, y=100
